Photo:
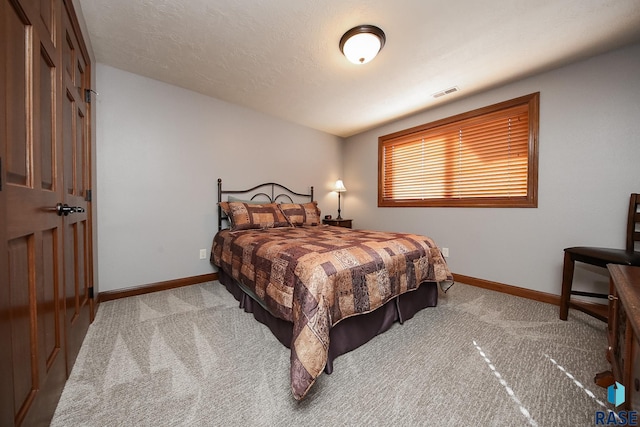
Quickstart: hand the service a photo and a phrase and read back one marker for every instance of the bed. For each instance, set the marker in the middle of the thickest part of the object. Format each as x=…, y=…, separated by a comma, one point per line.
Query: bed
x=322, y=290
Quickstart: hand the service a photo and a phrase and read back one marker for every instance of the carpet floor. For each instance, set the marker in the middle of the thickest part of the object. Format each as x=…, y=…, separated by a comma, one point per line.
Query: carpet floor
x=190, y=357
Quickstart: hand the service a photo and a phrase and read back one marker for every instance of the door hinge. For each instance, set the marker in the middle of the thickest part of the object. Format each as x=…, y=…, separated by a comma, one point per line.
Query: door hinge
x=91, y=292
x=87, y=196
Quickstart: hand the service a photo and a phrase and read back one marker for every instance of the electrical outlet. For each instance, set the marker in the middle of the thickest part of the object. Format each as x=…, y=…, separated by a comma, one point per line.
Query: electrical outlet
x=203, y=254
x=445, y=252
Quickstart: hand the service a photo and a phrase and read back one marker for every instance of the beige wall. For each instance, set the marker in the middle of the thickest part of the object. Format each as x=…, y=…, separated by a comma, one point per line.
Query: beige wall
x=161, y=148
x=160, y=151
x=589, y=151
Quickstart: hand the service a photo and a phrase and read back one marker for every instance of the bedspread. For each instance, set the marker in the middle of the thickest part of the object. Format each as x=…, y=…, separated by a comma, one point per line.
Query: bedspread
x=316, y=276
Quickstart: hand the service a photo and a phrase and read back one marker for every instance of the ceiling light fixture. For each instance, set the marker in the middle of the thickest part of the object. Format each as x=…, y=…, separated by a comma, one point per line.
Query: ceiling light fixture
x=362, y=43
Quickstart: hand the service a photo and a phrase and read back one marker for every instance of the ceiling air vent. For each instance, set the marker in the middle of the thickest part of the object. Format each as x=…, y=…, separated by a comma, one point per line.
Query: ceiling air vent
x=446, y=92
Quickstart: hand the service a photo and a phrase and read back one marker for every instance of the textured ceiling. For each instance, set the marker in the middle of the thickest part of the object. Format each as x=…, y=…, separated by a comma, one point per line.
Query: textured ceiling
x=281, y=57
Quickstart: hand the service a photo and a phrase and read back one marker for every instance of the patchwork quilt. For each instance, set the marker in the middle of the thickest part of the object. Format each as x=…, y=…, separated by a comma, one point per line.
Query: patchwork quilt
x=315, y=276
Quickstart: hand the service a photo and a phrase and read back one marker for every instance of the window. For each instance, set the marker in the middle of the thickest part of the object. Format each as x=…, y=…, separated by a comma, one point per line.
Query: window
x=484, y=158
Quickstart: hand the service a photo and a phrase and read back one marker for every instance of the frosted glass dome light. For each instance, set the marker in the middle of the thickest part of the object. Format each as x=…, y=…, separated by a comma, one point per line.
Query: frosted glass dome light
x=362, y=43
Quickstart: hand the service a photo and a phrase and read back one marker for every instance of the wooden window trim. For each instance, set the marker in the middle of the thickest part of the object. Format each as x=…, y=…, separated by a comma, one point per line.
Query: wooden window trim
x=532, y=103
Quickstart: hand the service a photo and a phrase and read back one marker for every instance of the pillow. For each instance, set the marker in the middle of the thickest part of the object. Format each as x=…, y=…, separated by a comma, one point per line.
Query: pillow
x=231, y=198
x=245, y=216
x=301, y=214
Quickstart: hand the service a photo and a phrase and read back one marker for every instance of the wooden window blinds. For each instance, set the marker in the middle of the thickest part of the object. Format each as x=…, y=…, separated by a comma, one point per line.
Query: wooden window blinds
x=484, y=158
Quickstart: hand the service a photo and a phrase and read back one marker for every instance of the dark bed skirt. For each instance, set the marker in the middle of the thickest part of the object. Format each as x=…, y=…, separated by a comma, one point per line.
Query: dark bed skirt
x=349, y=333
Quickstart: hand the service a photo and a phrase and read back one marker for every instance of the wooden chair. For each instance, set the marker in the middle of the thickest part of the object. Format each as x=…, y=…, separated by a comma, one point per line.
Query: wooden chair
x=600, y=257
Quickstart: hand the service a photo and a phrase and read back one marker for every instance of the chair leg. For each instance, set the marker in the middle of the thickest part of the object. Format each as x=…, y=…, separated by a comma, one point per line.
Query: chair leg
x=567, y=280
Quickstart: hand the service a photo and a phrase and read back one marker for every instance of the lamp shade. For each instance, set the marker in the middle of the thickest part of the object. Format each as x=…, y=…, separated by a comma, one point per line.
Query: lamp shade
x=339, y=187
x=362, y=43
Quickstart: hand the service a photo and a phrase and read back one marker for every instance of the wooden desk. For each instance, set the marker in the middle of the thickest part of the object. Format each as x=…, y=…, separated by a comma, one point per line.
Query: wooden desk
x=624, y=331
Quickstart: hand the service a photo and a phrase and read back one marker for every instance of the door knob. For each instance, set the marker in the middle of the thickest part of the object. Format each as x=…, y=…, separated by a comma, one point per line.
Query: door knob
x=66, y=209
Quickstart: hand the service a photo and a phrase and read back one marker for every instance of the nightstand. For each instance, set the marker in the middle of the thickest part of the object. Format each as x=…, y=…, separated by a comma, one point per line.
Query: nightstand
x=346, y=223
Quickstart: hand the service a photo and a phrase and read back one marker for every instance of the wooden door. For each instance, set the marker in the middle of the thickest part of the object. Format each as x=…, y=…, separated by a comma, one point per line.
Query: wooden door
x=6, y=366
x=76, y=229
x=38, y=280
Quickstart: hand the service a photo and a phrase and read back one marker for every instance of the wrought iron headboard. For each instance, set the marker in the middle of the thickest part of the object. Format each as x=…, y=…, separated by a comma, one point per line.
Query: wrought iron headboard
x=268, y=190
